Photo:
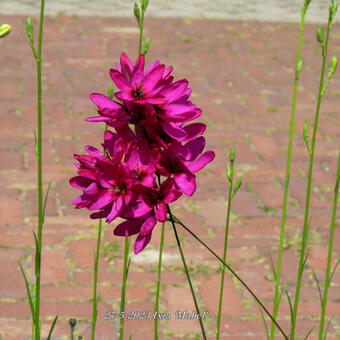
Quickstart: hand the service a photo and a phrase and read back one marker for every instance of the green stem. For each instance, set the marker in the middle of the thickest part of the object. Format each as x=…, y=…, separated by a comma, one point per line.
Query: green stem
x=234, y=273
x=95, y=281
x=40, y=193
x=186, y=271
x=122, y=296
x=287, y=179
x=159, y=279
x=309, y=186
x=141, y=27
x=224, y=253
x=330, y=252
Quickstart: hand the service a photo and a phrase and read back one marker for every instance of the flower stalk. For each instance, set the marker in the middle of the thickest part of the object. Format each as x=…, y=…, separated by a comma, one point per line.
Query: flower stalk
x=328, y=275
x=230, y=175
x=186, y=270
x=161, y=245
x=277, y=275
x=302, y=261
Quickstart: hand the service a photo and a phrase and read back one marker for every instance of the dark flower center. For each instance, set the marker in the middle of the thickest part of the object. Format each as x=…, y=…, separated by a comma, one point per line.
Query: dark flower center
x=138, y=93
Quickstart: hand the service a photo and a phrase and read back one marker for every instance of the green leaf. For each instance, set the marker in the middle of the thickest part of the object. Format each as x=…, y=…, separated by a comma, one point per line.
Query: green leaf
x=264, y=322
x=36, y=143
x=37, y=254
x=333, y=271
x=197, y=336
x=273, y=266
x=146, y=46
x=327, y=327
x=52, y=327
x=45, y=201
x=229, y=173
x=290, y=306
x=30, y=300
x=318, y=286
x=309, y=333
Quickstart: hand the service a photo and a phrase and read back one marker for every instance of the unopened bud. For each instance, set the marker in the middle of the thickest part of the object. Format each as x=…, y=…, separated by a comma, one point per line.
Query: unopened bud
x=320, y=35
x=144, y=4
x=333, y=8
x=306, y=135
x=229, y=173
x=237, y=186
x=146, y=46
x=232, y=155
x=136, y=12
x=5, y=29
x=29, y=29
x=332, y=66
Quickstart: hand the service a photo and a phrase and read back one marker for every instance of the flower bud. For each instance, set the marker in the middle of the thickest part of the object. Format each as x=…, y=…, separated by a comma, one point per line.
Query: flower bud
x=332, y=66
x=229, y=173
x=146, y=45
x=29, y=29
x=333, y=8
x=232, y=155
x=237, y=186
x=5, y=29
x=306, y=135
x=136, y=12
x=298, y=68
x=320, y=35
x=144, y=4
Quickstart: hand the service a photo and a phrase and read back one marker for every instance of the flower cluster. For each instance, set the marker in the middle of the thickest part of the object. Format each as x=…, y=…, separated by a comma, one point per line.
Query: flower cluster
x=150, y=158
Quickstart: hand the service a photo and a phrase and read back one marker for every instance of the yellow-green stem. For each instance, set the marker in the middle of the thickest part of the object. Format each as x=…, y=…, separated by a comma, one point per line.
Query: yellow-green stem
x=309, y=186
x=159, y=279
x=40, y=193
x=95, y=281
x=218, y=327
x=287, y=179
x=330, y=252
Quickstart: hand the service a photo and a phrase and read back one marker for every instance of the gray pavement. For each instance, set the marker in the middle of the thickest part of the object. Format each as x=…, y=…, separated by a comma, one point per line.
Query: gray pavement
x=259, y=10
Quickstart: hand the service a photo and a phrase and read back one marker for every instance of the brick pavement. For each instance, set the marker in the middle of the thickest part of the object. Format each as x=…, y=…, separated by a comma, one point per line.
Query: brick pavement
x=241, y=74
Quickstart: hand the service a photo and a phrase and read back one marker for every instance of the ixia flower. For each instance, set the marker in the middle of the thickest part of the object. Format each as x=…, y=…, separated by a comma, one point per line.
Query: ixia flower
x=142, y=170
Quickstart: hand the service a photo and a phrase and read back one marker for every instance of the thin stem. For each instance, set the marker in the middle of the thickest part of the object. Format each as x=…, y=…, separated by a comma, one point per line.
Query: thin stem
x=234, y=273
x=40, y=193
x=95, y=281
x=330, y=252
x=309, y=186
x=225, y=252
x=159, y=279
x=122, y=295
x=141, y=28
x=186, y=271
x=287, y=179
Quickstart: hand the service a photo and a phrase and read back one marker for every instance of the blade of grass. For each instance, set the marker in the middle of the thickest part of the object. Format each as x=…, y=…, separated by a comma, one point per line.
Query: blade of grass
x=52, y=327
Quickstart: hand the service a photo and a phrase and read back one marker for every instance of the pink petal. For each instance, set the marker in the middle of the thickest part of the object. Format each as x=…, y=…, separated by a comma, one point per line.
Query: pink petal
x=152, y=78
x=161, y=212
x=104, y=198
x=119, y=80
x=186, y=182
x=80, y=182
x=141, y=242
x=116, y=209
x=201, y=162
x=126, y=66
x=174, y=131
x=193, y=130
x=175, y=90
x=128, y=228
x=148, y=225
x=195, y=147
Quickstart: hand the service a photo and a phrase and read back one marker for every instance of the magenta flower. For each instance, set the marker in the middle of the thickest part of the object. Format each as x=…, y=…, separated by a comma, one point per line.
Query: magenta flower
x=142, y=170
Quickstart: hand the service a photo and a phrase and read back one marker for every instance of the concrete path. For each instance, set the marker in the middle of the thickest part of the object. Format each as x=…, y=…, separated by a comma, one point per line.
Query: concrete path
x=261, y=10
x=241, y=74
